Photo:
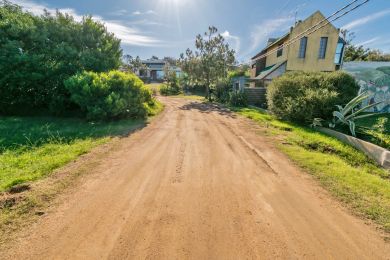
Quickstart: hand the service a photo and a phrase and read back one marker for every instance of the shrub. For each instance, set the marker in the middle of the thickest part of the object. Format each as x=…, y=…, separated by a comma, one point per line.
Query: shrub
x=222, y=90
x=39, y=52
x=111, y=95
x=172, y=86
x=238, y=99
x=164, y=89
x=302, y=96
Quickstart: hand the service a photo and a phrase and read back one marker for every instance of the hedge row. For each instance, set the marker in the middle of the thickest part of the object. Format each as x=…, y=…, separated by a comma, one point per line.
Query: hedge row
x=302, y=96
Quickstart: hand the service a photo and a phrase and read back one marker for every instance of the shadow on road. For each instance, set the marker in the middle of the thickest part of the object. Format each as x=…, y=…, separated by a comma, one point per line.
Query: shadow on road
x=208, y=108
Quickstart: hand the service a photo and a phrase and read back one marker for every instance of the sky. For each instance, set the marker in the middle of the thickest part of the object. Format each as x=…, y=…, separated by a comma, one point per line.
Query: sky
x=168, y=27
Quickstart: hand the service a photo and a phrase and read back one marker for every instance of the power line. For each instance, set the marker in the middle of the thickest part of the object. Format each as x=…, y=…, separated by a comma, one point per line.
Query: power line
x=309, y=30
x=325, y=19
x=303, y=34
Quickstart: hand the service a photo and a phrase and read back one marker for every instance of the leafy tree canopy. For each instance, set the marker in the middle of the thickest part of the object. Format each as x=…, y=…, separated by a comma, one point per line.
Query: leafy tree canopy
x=211, y=60
x=39, y=52
x=360, y=53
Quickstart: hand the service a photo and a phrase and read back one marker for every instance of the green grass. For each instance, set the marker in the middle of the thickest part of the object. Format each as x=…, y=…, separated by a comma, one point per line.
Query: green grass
x=191, y=97
x=33, y=147
x=155, y=87
x=347, y=173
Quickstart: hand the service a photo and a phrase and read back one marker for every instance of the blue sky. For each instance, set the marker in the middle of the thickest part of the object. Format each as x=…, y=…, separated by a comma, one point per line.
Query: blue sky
x=168, y=27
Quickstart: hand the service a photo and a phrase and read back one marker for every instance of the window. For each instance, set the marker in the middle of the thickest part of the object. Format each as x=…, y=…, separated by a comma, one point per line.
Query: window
x=237, y=86
x=339, y=52
x=323, y=45
x=280, y=51
x=302, y=48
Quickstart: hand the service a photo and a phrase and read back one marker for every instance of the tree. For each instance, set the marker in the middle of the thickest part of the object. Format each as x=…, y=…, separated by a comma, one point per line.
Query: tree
x=170, y=60
x=211, y=60
x=359, y=52
x=133, y=64
x=39, y=52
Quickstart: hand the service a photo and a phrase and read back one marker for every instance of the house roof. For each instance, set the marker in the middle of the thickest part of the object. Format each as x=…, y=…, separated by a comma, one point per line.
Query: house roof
x=268, y=70
x=154, y=61
x=273, y=43
x=277, y=41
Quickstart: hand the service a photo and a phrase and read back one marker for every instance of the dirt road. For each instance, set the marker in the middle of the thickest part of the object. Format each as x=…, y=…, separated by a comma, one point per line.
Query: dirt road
x=198, y=183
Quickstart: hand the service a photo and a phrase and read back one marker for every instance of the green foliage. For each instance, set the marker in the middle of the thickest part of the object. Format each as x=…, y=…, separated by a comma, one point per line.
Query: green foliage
x=360, y=53
x=39, y=53
x=238, y=99
x=241, y=71
x=350, y=112
x=170, y=90
x=110, y=95
x=222, y=90
x=172, y=85
x=210, y=62
x=224, y=93
x=301, y=96
x=132, y=64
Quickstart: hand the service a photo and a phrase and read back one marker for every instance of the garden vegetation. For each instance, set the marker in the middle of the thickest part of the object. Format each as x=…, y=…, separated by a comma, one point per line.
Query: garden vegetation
x=302, y=96
x=52, y=65
x=111, y=95
x=38, y=53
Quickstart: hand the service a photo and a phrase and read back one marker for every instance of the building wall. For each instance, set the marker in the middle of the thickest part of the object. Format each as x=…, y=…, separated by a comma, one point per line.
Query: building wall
x=311, y=62
x=272, y=58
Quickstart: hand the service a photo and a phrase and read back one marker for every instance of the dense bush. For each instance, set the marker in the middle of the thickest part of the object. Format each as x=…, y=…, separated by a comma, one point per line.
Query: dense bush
x=243, y=71
x=238, y=99
x=302, y=96
x=222, y=90
x=110, y=95
x=172, y=86
x=169, y=90
x=39, y=52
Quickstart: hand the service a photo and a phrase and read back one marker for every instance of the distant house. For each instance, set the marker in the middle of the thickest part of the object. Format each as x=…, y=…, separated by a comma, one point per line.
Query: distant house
x=154, y=71
x=239, y=83
x=320, y=51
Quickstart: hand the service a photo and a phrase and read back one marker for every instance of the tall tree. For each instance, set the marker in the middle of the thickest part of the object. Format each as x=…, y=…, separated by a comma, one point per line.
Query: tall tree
x=211, y=60
x=133, y=64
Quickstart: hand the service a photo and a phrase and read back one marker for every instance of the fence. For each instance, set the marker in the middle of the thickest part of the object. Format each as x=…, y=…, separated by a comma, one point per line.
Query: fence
x=256, y=96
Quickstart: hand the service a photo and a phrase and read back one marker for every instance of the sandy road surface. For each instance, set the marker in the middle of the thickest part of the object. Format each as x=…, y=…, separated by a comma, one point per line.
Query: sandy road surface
x=198, y=183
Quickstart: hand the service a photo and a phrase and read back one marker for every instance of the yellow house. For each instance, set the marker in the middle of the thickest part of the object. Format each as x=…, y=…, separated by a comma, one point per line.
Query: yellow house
x=300, y=50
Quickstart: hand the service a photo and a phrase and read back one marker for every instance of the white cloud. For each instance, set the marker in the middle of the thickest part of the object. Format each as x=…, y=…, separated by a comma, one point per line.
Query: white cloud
x=146, y=22
x=143, y=13
x=120, y=12
x=369, y=41
x=381, y=43
x=261, y=32
x=366, y=19
x=128, y=35
x=235, y=39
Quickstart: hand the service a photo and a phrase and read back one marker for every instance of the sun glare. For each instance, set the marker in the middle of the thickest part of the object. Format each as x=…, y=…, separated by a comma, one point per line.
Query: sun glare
x=172, y=2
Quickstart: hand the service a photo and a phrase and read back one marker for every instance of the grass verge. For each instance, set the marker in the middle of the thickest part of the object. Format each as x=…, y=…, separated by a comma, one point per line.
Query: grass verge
x=347, y=173
x=33, y=147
